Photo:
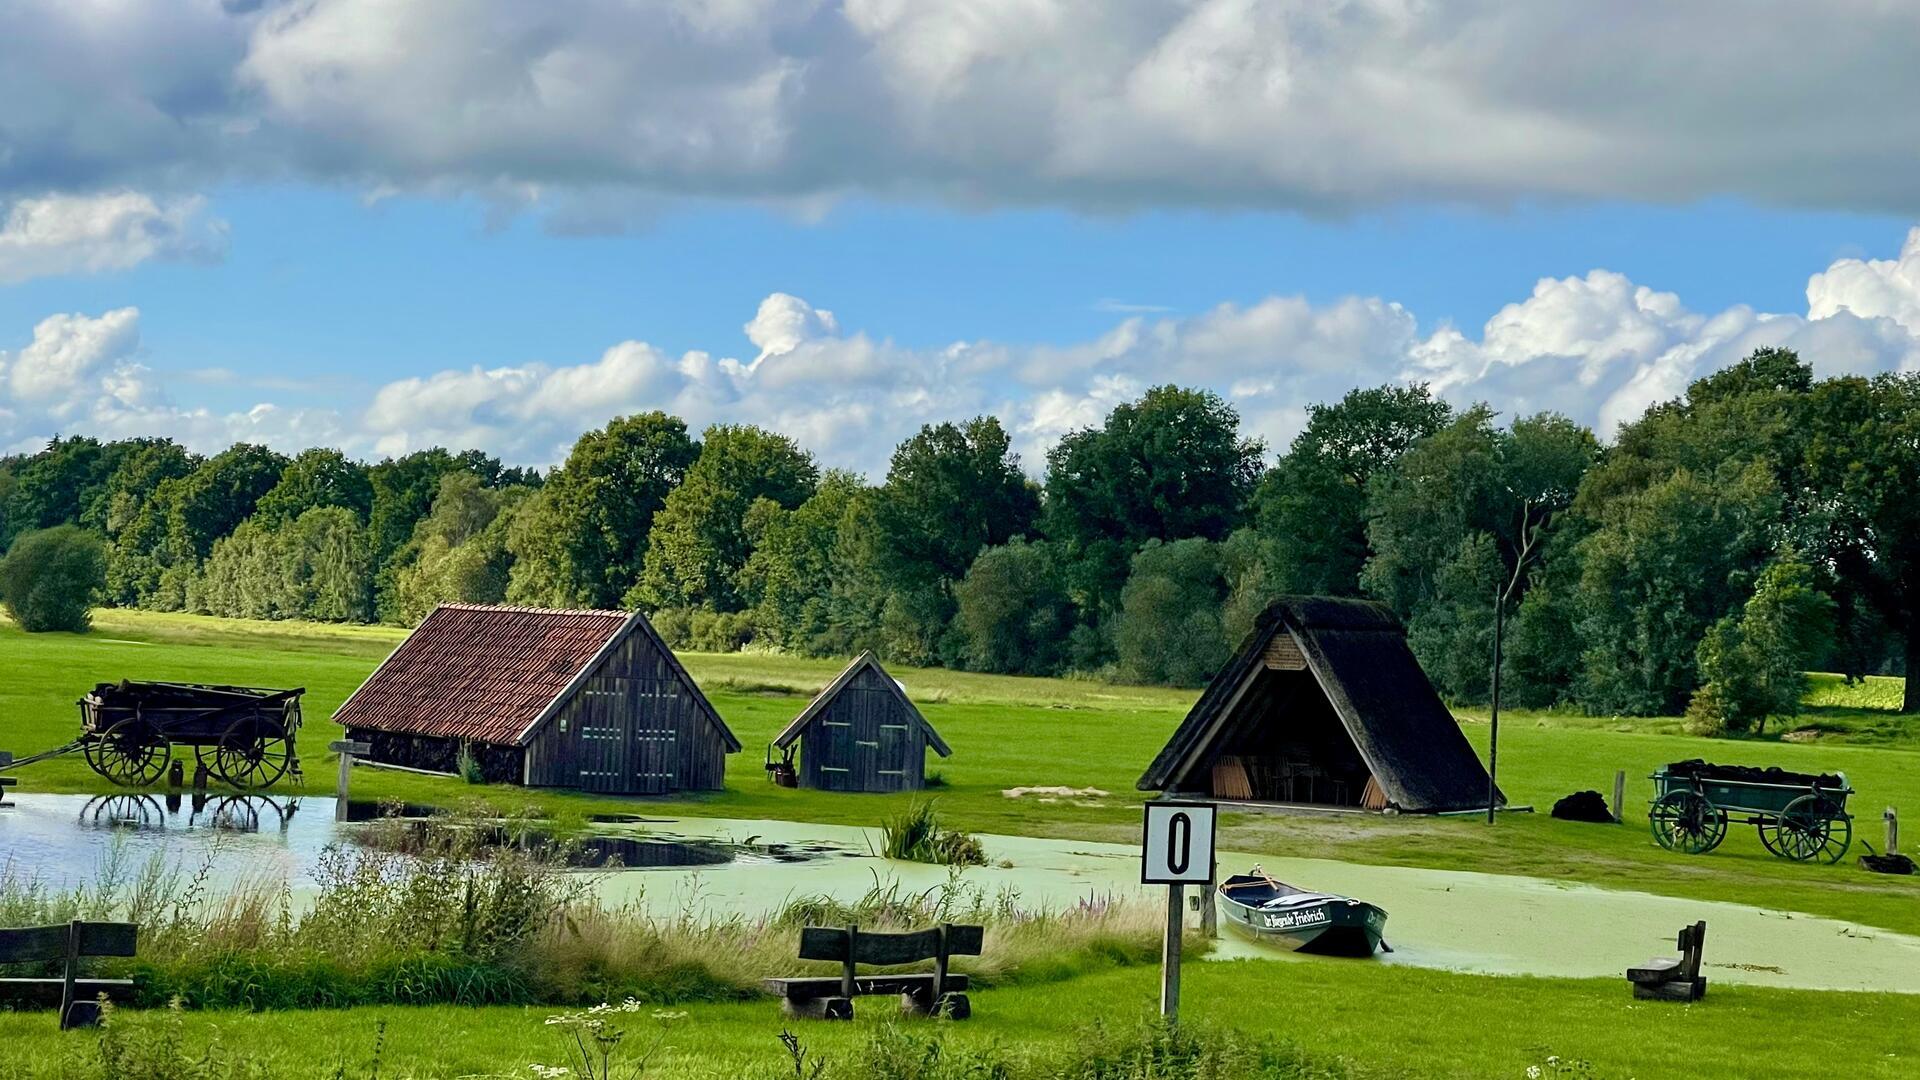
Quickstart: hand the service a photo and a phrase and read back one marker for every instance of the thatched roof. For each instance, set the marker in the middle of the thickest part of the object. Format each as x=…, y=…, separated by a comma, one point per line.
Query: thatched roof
x=493, y=674
x=864, y=662
x=1357, y=653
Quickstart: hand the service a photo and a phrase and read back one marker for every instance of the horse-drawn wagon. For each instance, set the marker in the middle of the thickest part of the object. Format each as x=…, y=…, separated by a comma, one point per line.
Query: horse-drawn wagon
x=243, y=735
x=1799, y=816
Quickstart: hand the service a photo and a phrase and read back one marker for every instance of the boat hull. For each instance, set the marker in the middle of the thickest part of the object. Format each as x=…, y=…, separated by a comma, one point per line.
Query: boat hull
x=1326, y=925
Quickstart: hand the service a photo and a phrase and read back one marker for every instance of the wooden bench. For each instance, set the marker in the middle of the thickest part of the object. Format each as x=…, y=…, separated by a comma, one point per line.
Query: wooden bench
x=831, y=997
x=1674, y=979
x=69, y=944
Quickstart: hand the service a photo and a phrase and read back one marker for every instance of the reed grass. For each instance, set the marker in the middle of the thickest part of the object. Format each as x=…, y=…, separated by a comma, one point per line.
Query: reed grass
x=914, y=834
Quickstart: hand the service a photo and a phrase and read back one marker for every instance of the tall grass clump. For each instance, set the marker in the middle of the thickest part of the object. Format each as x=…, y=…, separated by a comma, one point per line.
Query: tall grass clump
x=915, y=835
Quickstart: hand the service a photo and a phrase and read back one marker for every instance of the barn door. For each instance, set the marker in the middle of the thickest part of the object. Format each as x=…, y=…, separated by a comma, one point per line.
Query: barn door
x=660, y=711
x=603, y=711
x=897, y=744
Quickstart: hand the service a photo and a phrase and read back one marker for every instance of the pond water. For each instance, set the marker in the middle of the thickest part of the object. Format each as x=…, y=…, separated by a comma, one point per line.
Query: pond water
x=1489, y=923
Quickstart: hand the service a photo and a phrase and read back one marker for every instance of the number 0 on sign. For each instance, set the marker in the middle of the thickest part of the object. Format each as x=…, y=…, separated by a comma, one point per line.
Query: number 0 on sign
x=1178, y=847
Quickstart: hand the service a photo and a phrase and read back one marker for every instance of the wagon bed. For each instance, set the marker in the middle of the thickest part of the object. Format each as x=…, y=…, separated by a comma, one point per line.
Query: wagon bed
x=242, y=734
x=1799, y=816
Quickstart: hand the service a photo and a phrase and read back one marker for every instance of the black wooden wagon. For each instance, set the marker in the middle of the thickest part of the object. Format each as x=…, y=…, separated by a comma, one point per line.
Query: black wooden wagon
x=1799, y=816
x=243, y=735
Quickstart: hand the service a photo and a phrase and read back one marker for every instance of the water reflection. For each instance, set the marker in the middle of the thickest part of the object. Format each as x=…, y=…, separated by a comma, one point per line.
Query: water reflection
x=228, y=813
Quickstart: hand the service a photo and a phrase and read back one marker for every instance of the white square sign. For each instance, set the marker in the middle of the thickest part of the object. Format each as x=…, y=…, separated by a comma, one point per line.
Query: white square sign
x=1177, y=848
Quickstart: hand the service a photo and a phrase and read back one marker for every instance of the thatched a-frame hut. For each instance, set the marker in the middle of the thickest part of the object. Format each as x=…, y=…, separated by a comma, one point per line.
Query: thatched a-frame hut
x=861, y=733
x=1324, y=705
x=552, y=698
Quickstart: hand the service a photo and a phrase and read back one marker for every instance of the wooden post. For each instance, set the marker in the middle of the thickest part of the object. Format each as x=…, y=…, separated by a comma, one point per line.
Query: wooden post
x=347, y=749
x=1893, y=831
x=68, y=970
x=1170, y=954
x=1209, y=907
x=846, y=973
x=1619, y=795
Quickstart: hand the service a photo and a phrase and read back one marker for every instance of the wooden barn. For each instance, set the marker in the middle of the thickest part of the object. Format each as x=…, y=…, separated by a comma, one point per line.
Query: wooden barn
x=581, y=699
x=1324, y=706
x=862, y=734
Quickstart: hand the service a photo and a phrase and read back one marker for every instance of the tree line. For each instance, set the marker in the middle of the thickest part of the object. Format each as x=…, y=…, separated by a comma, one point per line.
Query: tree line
x=1762, y=523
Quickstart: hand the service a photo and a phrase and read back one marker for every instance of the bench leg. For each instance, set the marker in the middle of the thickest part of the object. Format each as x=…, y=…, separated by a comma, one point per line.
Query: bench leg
x=820, y=1008
x=80, y=1014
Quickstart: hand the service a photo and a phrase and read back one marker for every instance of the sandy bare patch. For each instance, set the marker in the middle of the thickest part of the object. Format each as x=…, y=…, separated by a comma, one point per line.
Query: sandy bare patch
x=1055, y=793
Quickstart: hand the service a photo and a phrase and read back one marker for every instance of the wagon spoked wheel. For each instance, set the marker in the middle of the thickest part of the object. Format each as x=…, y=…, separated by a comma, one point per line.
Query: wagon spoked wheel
x=253, y=753
x=131, y=753
x=1811, y=827
x=1685, y=821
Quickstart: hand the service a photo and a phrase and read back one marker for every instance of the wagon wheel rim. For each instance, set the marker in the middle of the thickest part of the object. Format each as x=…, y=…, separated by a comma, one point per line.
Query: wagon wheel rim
x=1813, y=827
x=131, y=753
x=235, y=813
x=254, y=752
x=1685, y=821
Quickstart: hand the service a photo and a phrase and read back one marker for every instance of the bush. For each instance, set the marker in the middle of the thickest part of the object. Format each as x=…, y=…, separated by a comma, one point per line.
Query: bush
x=51, y=578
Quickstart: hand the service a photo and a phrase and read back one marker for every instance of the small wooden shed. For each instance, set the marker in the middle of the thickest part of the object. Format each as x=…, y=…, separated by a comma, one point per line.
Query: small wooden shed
x=550, y=698
x=862, y=734
x=1324, y=705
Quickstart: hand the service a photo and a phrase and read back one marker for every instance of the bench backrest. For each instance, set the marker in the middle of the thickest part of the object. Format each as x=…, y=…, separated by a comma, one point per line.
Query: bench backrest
x=851, y=944
x=37, y=944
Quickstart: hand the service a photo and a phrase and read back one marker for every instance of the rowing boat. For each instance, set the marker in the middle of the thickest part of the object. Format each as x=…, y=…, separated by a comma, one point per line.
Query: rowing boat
x=1301, y=920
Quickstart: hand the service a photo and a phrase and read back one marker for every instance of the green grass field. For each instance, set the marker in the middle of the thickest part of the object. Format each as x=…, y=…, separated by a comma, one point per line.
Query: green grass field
x=1013, y=732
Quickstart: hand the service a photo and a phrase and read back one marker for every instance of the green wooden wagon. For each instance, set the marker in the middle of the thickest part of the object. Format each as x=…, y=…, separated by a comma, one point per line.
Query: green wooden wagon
x=1798, y=816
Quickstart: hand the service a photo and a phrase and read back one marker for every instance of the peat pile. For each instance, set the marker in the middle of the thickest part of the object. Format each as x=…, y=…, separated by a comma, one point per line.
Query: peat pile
x=1584, y=806
x=1887, y=864
x=1703, y=770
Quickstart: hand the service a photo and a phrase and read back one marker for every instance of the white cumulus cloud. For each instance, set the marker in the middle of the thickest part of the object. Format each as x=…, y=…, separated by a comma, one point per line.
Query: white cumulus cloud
x=85, y=234
x=1598, y=347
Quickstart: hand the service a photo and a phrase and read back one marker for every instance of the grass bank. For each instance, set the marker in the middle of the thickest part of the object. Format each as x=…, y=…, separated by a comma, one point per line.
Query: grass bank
x=1338, y=1019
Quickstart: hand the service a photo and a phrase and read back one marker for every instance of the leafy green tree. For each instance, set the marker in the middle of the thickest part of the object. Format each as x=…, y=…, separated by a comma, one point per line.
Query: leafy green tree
x=403, y=490
x=220, y=493
x=787, y=583
x=1012, y=613
x=51, y=578
x=1312, y=506
x=317, y=477
x=133, y=513
x=952, y=491
x=1754, y=667
x=459, y=550
x=317, y=566
x=1169, y=627
x=1449, y=523
x=1170, y=466
x=699, y=540
x=585, y=543
x=1863, y=458
x=1662, y=566
x=56, y=486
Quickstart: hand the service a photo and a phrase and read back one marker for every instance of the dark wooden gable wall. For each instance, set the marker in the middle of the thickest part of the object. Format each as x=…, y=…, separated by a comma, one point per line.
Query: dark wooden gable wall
x=865, y=739
x=634, y=726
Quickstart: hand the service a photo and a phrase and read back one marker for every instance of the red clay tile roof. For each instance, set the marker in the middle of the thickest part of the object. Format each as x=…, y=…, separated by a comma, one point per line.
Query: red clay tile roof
x=480, y=672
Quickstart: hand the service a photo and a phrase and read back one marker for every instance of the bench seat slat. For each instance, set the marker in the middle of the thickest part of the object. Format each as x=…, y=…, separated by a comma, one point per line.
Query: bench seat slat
x=886, y=949
x=47, y=991
x=807, y=988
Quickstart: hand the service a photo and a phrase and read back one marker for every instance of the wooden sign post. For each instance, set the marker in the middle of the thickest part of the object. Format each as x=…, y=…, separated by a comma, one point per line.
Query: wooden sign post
x=1176, y=850
x=347, y=749
x=1893, y=831
x=6, y=759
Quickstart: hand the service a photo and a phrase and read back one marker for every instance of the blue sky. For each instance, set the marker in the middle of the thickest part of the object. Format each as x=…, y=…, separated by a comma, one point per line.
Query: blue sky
x=536, y=223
